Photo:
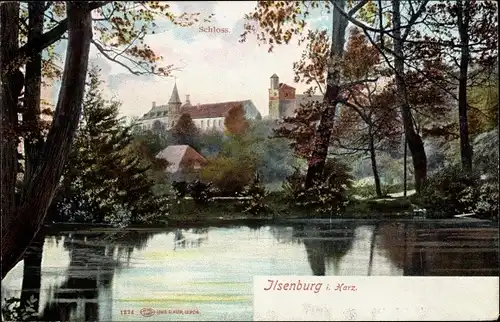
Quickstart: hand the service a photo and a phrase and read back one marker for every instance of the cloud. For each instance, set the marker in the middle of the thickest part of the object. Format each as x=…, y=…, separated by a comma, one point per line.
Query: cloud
x=215, y=67
x=226, y=14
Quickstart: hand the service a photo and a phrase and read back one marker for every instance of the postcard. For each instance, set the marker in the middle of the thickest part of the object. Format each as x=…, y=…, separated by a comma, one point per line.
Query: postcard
x=252, y=160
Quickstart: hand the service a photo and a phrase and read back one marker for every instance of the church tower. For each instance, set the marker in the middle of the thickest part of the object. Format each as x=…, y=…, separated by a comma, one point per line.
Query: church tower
x=274, y=101
x=174, y=107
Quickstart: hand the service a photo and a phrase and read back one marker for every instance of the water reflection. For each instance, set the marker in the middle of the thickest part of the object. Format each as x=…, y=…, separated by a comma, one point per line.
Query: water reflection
x=109, y=271
x=190, y=238
x=326, y=245
x=94, y=257
x=437, y=251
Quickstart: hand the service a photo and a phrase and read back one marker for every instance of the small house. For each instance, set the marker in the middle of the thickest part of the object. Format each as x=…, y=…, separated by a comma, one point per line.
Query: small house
x=185, y=163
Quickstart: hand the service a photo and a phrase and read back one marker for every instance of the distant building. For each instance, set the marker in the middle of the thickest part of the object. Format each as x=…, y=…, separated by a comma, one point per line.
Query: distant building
x=205, y=116
x=283, y=102
x=184, y=162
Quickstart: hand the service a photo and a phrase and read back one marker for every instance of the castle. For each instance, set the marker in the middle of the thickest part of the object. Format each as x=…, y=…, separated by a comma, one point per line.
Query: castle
x=204, y=116
x=283, y=102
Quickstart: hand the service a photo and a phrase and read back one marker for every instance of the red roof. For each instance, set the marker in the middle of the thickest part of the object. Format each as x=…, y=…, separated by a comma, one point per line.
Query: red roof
x=210, y=110
x=283, y=85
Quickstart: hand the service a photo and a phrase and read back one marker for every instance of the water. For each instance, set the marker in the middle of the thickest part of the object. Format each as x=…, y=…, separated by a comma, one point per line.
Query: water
x=104, y=275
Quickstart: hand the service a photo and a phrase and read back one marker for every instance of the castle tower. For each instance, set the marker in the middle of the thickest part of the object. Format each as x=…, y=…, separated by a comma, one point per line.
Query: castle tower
x=174, y=106
x=274, y=101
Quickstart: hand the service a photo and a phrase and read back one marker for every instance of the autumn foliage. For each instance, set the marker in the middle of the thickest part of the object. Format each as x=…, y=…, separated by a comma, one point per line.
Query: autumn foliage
x=235, y=121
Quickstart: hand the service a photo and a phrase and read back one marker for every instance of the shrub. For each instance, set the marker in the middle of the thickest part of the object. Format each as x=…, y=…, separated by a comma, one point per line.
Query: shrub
x=200, y=192
x=230, y=175
x=293, y=184
x=327, y=195
x=12, y=310
x=180, y=189
x=363, y=191
x=487, y=203
x=451, y=191
x=257, y=192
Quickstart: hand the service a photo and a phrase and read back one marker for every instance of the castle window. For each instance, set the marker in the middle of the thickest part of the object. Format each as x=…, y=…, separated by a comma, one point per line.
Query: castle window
x=220, y=123
x=208, y=123
x=202, y=123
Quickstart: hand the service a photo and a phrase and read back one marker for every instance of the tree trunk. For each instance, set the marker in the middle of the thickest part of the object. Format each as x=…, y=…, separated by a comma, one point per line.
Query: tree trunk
x=317, y=159
x=414, y=140
x=9, y=97
x=21, y=226
x=405, y=169
x=372, y=248
x=31, y=118
x=373, y=158
x=463, y=26
x=32, y=271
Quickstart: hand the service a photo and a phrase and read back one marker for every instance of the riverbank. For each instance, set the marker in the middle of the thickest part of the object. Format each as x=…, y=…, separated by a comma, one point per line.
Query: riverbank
x=186, y=213
x=257, y=222
x=188, y=210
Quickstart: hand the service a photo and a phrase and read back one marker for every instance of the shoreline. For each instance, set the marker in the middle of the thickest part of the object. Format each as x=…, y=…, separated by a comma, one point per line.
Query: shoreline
x=268, y=221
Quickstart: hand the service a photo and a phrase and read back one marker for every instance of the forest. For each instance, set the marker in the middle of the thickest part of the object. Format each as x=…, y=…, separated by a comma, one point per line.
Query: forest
x=410, y=103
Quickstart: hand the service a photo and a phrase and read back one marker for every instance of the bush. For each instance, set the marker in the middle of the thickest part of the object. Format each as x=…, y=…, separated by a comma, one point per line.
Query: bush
x=180, y=188
x=12, y=310
x=327, y=195
x=363, y=191
x=200, y=192
x=293, y=184
x=257, y=192
x=452, y=191
x=487, y=203
x=230, y=175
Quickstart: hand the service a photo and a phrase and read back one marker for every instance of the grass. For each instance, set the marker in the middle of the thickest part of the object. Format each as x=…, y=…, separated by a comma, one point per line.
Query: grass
x=280, y=208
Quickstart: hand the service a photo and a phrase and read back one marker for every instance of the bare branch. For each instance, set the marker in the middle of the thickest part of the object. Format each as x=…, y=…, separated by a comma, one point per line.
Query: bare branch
x=105, y=51
x=362, y=25
x=51, y=36
x=414, y=18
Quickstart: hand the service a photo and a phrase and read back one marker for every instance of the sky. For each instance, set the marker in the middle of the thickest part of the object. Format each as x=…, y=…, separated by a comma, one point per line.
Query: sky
x=214, y=67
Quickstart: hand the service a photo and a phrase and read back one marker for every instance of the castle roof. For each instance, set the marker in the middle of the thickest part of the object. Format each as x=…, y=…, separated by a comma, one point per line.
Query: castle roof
x=174, y=98
x=199, y=111
x=284, y=86
x=210, y=110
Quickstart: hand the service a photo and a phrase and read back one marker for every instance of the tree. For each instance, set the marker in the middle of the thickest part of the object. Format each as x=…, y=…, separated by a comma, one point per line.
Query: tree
x=185, y=131
x=235, y=121
x=390, y=37
x=120, y=29
x=300, y=129
x=211, y=142
x=277, y=23
x=369, y=117
x=483, y=104
x=105, y=174
x=21, y=221
x=274, y=158
x=464, y=33
x=229, y=174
